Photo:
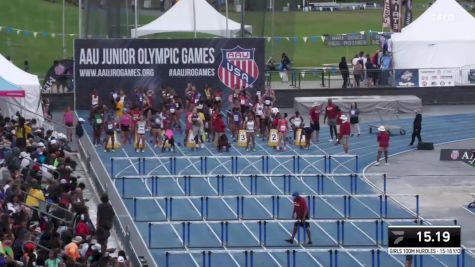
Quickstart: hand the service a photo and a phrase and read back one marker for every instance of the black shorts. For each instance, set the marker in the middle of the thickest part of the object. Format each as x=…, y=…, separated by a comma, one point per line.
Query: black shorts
x=301, y=224
x=110, y=133
x=124, y=128
x=315, y=126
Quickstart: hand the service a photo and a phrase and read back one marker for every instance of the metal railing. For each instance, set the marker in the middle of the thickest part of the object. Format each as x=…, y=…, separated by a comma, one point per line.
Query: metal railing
x=331, y=77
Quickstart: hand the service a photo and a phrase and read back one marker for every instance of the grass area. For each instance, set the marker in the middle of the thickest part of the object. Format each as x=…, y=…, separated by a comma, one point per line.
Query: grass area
x=44, y=16
x=40, y=16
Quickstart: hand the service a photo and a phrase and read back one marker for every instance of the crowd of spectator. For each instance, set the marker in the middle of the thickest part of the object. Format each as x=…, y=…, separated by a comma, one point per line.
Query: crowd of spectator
x=44, y=219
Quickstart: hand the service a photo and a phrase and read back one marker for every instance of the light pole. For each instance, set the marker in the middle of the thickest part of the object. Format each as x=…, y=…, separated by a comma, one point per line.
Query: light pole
x=243, y=3
x=227, y=20
x=80, y=19
x=64, y=29
x=136, y=13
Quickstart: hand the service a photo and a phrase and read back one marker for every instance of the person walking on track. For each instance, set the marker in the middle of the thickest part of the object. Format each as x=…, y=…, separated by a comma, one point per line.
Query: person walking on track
x=300, y=213
x=383, y=141
x=344, y=133
x=417, y=128
x=331, y=114
x=314, y=114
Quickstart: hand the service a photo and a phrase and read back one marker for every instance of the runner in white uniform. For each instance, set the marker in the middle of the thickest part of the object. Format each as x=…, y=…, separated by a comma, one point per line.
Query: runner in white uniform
x=140, y=131
x=296, y=121
x=259, y=110
x=250, y=124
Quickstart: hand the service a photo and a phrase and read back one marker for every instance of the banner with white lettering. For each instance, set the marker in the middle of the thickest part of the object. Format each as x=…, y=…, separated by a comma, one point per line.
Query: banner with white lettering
x=395, y=15
x=466, y=155
x=129, y=64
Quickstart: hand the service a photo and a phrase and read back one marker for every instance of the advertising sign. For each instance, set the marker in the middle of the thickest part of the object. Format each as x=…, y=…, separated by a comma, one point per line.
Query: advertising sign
x=438, y=77
x=149, y=64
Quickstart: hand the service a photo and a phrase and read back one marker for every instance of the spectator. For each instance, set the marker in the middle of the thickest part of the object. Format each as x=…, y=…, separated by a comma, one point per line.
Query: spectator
x=105, y=213
x=284, y=67
x=358, y=72
x=79, y=128
x=26, y=66
x=345, y=74
x=72, y=249
x=69, y=123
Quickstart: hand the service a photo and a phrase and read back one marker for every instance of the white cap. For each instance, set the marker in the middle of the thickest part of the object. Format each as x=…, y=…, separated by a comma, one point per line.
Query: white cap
x=41, y=144
x=81, y=120
x=23, y=154
x=343, y=118
x=316, y=104
x=120, y=259
x=381, y=128
x=53, y=142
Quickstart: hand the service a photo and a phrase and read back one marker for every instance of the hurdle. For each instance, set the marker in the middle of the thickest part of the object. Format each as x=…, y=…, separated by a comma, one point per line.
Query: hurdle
x=203, y=169
x=346, y=156
x=253, y=181
x=275, y=203
x=291, y=255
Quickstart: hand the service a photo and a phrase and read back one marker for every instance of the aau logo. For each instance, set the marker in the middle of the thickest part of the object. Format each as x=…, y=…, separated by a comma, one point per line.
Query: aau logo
x=455, y=154
x=238, y=67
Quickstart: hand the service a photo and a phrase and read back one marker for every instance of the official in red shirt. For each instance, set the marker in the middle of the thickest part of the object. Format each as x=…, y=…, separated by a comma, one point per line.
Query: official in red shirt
x=300, y=213
x=314, y=114
x=344, y=134
x=331, y=113
x=383, y=144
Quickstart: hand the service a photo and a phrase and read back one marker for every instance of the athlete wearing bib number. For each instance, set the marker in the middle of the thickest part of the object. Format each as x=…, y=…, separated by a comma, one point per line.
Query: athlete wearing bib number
x=140, y=132
x=156, y=122
x=235, y=122
x=259, y=111
x=97, y=127
x=110, y=131
x=282, y=128
x=296, y=122
x=125, y=122
x=249, y=125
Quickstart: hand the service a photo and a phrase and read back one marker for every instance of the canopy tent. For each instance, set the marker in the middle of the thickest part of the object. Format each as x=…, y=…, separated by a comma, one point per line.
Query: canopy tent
x=442, y=37
x=30, y=105
x=8, y=89
x=191, y=16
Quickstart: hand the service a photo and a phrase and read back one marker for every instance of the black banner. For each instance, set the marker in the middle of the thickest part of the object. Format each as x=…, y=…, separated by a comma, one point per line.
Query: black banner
x=128, y=64
x=407, y=77
x=395, y=11
x=465, y=155
x=60, y=74
x=346, y=40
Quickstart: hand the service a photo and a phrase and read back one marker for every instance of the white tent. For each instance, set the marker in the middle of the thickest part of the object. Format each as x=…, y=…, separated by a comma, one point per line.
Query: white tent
x=30, y=105
x=442, y=37
x=191, y=16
